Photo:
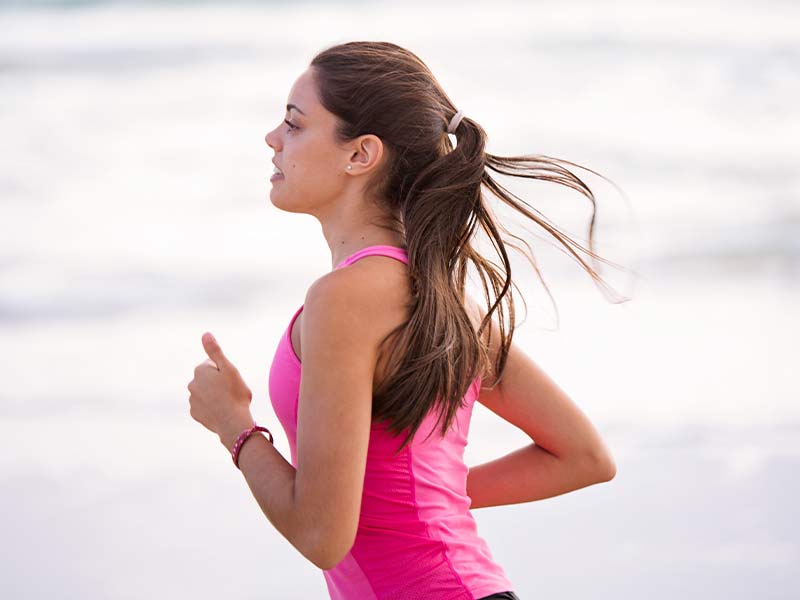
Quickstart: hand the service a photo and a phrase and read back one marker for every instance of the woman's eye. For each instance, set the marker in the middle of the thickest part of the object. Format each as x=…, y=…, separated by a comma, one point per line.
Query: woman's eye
x=291, y=125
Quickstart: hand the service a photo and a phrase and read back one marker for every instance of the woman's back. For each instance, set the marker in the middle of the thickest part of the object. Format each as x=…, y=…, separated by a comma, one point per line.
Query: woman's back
x=416, y=537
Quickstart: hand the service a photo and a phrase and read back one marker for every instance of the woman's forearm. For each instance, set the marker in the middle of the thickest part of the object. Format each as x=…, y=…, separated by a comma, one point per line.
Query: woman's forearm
x=530, y=473
x=271, y=480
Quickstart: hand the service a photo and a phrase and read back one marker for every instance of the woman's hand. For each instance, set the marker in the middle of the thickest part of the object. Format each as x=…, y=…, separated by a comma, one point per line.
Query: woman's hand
x=220, y=399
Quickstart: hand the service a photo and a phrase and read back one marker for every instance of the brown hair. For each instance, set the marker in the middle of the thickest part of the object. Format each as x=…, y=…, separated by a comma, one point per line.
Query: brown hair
x=431, y=194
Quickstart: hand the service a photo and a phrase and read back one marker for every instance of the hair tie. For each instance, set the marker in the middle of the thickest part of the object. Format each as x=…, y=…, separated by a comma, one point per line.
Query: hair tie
x=455, y=121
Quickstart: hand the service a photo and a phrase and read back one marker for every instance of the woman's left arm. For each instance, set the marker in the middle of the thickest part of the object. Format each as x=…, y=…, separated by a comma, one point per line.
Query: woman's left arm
x=220, y=401
x=271, y=480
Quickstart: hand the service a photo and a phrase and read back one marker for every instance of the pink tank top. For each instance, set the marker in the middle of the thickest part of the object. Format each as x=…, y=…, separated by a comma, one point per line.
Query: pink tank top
x=416, y=536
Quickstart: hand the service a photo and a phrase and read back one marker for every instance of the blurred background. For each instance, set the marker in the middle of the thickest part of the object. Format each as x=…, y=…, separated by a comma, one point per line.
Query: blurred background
x=134, y=189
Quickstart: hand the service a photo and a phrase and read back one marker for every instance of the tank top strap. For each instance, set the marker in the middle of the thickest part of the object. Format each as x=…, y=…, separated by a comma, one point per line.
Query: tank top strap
x=377, y=250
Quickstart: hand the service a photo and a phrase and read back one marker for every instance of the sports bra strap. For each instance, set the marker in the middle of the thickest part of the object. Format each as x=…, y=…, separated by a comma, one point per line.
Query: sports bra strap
x=377, y=250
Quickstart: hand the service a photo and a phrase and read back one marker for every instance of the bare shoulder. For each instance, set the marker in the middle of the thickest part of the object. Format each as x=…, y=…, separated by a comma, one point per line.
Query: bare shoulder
x=376, y=284
x=372, y=294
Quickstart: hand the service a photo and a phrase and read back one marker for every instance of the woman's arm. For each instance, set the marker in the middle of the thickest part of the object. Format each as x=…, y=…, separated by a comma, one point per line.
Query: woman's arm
x=271, y=479
x=567, y=452
x=528, y=474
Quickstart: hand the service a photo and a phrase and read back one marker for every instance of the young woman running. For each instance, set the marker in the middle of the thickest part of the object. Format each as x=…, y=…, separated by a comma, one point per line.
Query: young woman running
x=376, y=375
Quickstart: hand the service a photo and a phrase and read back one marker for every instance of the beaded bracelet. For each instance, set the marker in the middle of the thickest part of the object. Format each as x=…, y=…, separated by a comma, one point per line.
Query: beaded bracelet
x=243, y=437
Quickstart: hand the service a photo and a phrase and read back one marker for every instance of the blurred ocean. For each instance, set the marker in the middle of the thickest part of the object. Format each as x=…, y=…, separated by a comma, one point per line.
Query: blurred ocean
x=135, y=216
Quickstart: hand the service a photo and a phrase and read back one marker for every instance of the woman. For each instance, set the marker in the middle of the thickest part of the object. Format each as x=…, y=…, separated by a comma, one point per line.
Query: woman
x=375, y=377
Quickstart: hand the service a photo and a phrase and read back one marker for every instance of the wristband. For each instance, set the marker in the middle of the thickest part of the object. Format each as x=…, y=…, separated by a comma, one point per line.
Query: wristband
x=243, y=437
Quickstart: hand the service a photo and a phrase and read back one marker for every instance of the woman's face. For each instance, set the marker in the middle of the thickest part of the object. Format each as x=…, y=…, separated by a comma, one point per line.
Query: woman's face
x=314, y=167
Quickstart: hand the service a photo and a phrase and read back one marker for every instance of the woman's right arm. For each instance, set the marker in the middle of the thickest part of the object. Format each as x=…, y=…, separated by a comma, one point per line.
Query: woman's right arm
x=528, y=474
x=568, y=452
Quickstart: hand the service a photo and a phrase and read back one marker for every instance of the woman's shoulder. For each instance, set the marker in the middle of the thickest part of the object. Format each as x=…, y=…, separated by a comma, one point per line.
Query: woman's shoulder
x=376, y=296
x=377, y=280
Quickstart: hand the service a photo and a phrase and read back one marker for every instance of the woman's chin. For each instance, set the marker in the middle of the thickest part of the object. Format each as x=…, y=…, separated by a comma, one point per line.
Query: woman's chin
x=279, y=200
x=272, y=195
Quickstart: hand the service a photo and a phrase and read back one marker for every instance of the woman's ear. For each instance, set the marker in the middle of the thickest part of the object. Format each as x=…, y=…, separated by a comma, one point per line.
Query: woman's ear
x=368, y=154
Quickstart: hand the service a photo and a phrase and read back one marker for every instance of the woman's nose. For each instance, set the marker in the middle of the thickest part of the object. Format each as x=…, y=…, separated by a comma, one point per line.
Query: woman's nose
x=270, y=138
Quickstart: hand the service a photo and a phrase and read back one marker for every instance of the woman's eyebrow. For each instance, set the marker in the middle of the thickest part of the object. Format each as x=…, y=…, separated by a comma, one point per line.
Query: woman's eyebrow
x=292, y=106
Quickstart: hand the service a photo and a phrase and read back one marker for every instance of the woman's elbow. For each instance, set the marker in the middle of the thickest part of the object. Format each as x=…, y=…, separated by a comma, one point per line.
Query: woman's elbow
x=329, y=550
x=600, y=464
x=610, y=471
x=606, y=467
